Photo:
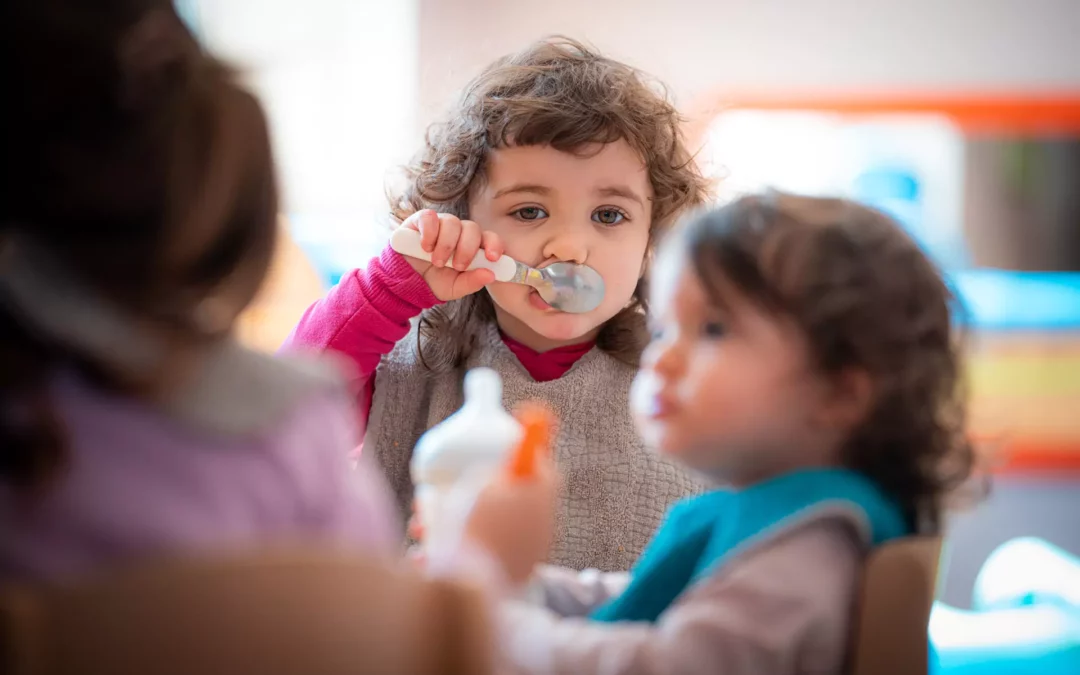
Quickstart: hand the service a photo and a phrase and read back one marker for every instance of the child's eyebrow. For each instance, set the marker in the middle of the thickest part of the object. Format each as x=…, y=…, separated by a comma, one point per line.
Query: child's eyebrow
x=620, y=191
x=541, y=190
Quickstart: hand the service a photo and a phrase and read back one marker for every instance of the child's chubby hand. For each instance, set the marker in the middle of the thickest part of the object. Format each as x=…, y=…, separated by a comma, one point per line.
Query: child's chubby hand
x=453, y=243
x=514, y=520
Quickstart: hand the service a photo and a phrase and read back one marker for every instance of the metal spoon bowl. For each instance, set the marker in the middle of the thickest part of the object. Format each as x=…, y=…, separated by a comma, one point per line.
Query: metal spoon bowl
x=567, y=287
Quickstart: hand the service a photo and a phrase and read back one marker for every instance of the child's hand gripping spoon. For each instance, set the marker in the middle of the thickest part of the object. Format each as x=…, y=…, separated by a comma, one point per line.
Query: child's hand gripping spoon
x=567, y=287
x=475, y=441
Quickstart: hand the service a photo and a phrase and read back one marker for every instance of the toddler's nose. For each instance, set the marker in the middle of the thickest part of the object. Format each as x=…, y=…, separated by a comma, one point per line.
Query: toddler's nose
x=666, y=359
x=567, y=244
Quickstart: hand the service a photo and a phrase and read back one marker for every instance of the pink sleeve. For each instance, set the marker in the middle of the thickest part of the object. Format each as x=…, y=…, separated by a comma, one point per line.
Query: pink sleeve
x=365, y=315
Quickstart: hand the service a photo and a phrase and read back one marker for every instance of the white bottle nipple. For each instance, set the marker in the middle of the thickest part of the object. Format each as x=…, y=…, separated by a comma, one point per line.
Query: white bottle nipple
x=483, y=387
x=481, y=433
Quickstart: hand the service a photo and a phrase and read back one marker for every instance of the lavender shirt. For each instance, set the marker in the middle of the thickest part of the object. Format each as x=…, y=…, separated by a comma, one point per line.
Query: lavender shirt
x=253, y=451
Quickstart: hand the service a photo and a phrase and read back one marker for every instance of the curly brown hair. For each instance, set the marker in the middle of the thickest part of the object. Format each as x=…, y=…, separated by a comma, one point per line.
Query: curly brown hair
x=562, y=94
x=867, y=297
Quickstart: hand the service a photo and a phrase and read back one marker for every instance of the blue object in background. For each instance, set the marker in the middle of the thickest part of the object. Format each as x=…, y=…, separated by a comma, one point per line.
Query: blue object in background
x=897, y=191
x=337, y=243
x=1029, y=640
x=189, y=13
x=1008, y=300
x=326, y=259
x=1028, y=571
x=994, y=299
x=1027, y=616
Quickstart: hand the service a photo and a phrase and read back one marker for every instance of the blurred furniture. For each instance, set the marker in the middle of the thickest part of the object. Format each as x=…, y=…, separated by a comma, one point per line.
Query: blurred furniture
x=898, y=588
x=271, y=614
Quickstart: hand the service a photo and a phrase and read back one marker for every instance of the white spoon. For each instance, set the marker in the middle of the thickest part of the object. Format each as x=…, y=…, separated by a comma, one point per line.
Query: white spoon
x=568, y=287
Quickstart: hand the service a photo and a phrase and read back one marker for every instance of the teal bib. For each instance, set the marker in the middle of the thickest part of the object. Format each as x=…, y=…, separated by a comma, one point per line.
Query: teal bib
x=703, y=532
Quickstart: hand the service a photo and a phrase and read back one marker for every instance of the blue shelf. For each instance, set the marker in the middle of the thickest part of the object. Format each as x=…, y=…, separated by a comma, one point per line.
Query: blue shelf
x=1002, y=300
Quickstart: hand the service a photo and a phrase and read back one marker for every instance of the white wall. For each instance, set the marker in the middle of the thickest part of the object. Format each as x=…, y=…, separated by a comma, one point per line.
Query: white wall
x=696, y=45
x=339, y=81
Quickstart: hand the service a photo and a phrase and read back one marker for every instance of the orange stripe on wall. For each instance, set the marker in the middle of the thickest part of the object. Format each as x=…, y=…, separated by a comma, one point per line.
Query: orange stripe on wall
x=1047, y=113
x=1037, y=457
x=1004, y=455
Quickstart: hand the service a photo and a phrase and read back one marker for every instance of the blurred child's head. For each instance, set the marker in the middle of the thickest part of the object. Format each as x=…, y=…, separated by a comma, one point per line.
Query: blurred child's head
x=135, y=164
x=567, y=155
x=793, y=332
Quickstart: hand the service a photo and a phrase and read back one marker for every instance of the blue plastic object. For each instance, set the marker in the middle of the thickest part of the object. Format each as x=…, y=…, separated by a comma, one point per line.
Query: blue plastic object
x=1029, y=640
x=897, y=190
x=1028, y=571
x=998, y=300
x=1008, y=300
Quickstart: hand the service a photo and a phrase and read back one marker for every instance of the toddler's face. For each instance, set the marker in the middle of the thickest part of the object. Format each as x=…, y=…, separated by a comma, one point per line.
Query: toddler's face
x=729, y=391
x=548, y=206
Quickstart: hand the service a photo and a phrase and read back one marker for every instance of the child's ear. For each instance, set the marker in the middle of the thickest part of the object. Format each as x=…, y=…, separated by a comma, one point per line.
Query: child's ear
x=849, y=399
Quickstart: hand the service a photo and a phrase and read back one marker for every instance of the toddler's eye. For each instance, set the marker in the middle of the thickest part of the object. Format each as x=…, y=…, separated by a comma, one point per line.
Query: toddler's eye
x=714, y=329
x=530, y=213
x=608, y=216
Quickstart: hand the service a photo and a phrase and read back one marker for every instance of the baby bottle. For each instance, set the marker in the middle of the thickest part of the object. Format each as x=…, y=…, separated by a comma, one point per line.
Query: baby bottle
x=471, y=443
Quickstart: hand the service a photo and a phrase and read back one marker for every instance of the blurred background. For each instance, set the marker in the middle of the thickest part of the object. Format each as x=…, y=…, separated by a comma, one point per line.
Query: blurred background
x=351, y=84
x=959, y=117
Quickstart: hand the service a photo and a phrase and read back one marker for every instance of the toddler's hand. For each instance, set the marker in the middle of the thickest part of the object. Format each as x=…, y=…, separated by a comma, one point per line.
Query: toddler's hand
x=514, y=520
x=453, y=244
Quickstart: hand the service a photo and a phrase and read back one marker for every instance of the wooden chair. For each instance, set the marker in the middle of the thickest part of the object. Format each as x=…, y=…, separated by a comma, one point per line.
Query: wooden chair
x=271, y=614
x=898, y=590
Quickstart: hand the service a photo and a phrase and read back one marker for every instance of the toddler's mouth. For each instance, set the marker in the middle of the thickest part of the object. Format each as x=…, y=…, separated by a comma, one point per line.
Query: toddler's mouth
x=539, y=303
x=661, y=407
x=650, y=399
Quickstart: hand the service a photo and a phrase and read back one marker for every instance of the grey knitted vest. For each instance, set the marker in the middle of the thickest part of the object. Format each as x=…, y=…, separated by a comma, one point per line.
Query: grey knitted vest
x=616, y=491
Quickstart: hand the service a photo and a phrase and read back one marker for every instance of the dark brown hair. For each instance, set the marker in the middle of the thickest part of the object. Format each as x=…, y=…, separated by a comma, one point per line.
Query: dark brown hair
x=138, y=163
x=866, y=297
x=562, y=94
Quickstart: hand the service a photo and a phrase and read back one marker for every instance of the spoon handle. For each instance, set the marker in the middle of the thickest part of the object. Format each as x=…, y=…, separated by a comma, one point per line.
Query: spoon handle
x=407, y=243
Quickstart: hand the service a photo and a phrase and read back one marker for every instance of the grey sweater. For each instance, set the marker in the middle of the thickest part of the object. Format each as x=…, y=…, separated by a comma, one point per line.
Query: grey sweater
x=616, y=491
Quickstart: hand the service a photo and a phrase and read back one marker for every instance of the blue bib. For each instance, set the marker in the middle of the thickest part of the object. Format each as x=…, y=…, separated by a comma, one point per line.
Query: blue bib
x=703, y=532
